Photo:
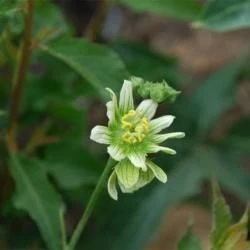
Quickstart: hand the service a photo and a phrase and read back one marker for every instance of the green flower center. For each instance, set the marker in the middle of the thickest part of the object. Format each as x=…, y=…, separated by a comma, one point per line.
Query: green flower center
x=134, y=126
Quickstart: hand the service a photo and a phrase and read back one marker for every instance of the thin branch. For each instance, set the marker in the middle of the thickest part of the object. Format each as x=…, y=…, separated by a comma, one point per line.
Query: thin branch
x=96, y=23
x=19, y=77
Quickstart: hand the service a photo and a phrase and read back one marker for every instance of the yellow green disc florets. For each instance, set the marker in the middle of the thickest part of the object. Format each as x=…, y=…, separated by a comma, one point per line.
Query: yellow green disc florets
x=134, y=126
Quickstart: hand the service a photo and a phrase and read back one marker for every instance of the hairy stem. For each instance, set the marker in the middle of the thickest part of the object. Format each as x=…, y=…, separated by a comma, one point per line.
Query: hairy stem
x=19, y=77
x=90, y=206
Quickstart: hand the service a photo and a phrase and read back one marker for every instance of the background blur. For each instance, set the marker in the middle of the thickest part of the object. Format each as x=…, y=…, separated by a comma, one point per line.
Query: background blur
x=179, y=42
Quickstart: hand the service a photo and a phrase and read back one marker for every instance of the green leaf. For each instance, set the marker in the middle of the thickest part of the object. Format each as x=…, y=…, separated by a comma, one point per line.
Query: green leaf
x=221, y=217
x=49, y=21
x=238, y=137
x=71, y=165
x=225, y=15
x=185, y=10
x=216, y=95
x=144, y=62
x=226, y=167
x=8, y=9
x=189, y=241
x=235, y=236
x=184, y=181
x=100, y=66
x=35, y=195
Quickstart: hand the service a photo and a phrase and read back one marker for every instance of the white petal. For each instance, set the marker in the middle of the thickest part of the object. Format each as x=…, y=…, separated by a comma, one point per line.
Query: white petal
x=126, y=101
x=112, y=186
x=138, y=160
x=147, y=108
x=164, y=137
x=161, y=123
x=127, y=173
x=116, y=153
x=100, y=134
x=111, y=105
x=156, y=148
x=158, y=172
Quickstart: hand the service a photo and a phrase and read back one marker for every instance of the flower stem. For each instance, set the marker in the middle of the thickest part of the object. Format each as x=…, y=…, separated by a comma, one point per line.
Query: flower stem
x=19, y=77
x=90, y=206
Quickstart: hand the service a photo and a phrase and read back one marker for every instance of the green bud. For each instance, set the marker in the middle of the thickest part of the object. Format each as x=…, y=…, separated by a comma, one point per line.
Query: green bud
x=136, y=81
x=158, y=91
x=144, y=89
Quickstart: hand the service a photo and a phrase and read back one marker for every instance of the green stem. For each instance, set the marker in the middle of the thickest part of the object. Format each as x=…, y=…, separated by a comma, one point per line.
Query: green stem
x=90, y=206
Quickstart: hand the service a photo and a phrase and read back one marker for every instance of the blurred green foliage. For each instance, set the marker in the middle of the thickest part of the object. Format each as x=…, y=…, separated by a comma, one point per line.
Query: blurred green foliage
x=64, y=95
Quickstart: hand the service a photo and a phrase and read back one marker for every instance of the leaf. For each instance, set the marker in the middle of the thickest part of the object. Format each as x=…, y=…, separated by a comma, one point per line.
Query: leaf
x=35, y=195
x=238, y=137
x=225, y=15
x=189, y=241
x=8, y=9
x=146, y=63
x=235, y=236
x=221, y=217
x=233, y=176
x=184, y=181
x=71, y=165
x=49, y=21
x=100, y=66
x=185, y=10
x=216, y=95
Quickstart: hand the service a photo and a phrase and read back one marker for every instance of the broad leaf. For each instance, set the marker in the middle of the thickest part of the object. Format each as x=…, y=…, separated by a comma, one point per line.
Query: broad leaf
x=185, y=10
x=100, y=66
x=221, y=217
x=189, y=241
x=144, y=62
x=35, y=195
x=71, y=165
x=216, y=95
x=225, y=15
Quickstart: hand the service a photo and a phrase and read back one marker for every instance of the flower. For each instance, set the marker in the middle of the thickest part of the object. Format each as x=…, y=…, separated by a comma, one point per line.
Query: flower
x=132, y=134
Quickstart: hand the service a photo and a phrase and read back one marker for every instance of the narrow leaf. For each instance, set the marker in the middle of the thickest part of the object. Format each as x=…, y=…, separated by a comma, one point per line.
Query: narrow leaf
x=185, y=10
x=35, y=195
x=100, y=66
x=225, y=15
